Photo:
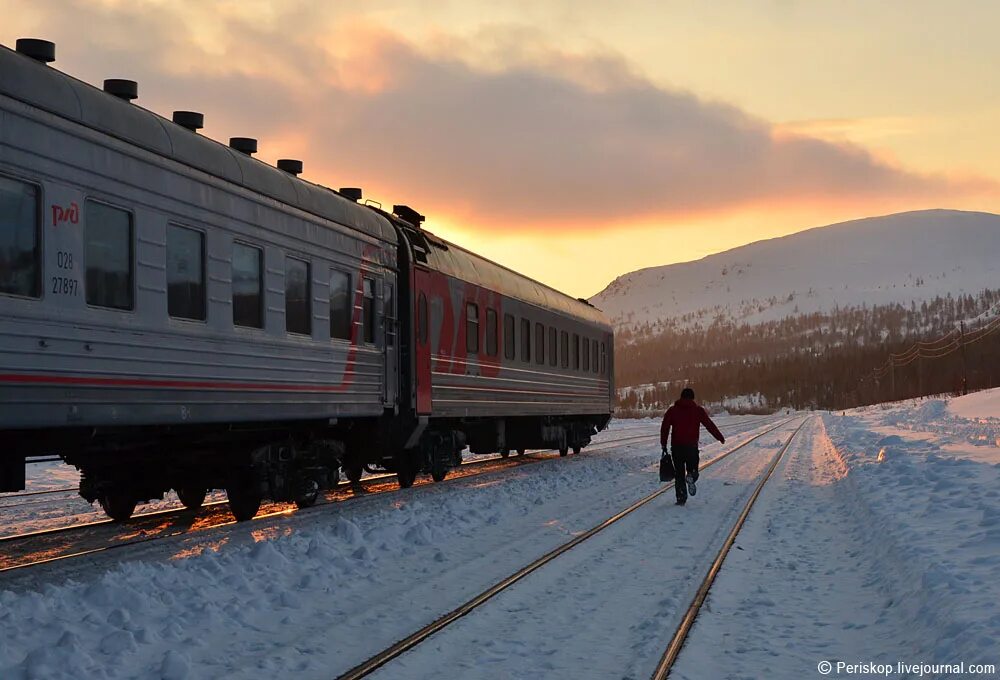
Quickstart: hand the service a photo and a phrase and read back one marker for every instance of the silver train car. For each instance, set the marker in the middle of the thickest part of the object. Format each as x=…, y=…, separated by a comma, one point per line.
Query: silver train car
x=176, y=314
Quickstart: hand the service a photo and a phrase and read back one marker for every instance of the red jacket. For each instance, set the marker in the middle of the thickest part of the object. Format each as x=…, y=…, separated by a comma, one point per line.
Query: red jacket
x=684, y=417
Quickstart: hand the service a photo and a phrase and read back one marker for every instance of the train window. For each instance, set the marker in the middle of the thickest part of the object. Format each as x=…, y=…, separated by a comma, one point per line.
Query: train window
x=508, y=336
x=472, y=328
x=595, y=361
x=298, y=310
x=553, y=354
x=525, y=341
x=539, y=343
x=368, y=309
x=389, y=305
x=20, y=256
x=491, y=332
x=341, y=305
x=422, y=318
x=604, y=359
x=108, y=256
x=185, y=273
x=564, y=348
x=576, y=352
x=248, y=286
x=586, y=354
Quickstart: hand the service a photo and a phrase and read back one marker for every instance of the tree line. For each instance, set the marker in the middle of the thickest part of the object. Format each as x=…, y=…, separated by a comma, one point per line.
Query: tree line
x=820, y=360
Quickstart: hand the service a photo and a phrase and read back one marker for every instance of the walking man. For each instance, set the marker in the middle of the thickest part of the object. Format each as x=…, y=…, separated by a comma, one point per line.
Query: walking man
x=686, y=417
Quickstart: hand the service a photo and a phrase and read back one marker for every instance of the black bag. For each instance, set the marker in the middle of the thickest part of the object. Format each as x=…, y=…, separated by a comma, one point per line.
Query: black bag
x=666, y=468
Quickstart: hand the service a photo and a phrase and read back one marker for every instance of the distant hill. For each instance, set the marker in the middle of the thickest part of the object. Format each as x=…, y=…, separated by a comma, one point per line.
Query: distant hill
x=912, y=256
x=802, y=320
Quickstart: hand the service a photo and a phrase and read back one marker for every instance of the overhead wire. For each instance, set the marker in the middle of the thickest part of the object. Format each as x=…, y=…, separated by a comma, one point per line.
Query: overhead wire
x=949, y=343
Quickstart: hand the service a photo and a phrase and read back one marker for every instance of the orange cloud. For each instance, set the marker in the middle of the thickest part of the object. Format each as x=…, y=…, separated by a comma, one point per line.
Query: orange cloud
x=500, y=133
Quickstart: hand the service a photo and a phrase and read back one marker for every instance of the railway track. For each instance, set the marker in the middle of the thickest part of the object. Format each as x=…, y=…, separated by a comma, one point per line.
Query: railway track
x=161, y=524
x=140, y=525
x=16, y=497
x=408, y=643
x=673, y=650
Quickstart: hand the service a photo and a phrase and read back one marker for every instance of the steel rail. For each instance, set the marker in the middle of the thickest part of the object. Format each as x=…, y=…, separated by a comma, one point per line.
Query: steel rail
x=25, y=494
x=375, y=662
x=680, y=635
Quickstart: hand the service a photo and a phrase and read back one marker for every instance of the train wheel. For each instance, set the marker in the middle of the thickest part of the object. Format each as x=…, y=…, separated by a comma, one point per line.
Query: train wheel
x=191, y=496
x=504, y=453
x=308, y=494
x=439, y=473
x=118, y=505
x=353, y=473
x=576, y=449
x=244, y=501
x=406, y=475
x=564, y=450
x=520, y=452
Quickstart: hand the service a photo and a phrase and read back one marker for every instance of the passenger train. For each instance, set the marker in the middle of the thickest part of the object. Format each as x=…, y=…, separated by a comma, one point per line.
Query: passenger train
x=176, y=314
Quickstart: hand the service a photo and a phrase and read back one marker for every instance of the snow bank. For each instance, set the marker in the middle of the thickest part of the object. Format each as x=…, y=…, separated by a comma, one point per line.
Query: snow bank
x=927, y=493
x=985, y=404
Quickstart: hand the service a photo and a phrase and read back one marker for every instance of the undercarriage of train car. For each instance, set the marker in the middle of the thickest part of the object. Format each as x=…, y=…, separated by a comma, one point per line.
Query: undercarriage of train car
x=440, y=444
x=121, y=467
x=285, y=462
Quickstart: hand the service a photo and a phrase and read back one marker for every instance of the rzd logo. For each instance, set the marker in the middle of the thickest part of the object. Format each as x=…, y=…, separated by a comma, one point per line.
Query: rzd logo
x=61, y=215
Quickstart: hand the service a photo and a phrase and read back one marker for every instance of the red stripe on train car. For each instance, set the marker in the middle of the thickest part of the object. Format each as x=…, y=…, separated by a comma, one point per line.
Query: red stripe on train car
x=37, y=379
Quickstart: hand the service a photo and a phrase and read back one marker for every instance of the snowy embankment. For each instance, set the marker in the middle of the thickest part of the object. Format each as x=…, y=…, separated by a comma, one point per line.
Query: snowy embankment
x=312, y=593
x=877, y=541
x=928, y=483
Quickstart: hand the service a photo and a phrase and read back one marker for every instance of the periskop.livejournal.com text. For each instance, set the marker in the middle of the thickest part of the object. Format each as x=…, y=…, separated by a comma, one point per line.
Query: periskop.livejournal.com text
x=903, y=668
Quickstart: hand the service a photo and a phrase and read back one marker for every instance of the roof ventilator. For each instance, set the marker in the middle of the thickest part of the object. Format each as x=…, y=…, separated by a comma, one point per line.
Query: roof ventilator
x=408, y=214
x=247, y=145
x=192, y=120
x=39, y=50
x=123, y=89
x=291, y=166
x=353, y=193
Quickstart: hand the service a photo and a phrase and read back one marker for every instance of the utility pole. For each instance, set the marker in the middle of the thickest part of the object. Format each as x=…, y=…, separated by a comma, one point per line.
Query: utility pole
x=965, y=365
x=920, y=375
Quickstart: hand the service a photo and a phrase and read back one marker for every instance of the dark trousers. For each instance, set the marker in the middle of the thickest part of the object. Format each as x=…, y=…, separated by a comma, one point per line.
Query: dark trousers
x=685, y=463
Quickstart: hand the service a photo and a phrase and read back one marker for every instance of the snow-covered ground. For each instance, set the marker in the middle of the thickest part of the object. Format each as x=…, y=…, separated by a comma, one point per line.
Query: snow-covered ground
x=985, y=404
x=877, y=540
x=311, y=593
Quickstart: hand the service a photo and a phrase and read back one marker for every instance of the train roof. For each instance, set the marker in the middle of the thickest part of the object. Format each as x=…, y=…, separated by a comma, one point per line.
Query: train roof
x=34, y=83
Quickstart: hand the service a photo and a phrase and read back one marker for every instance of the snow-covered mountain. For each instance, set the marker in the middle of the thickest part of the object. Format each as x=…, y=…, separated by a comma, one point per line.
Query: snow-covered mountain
x=900, y=258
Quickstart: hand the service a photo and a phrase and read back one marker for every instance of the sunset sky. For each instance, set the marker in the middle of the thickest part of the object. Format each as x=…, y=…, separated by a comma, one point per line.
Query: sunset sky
x=576, y=141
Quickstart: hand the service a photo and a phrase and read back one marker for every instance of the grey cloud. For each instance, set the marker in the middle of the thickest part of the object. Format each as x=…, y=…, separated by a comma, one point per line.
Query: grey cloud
x=535, y=142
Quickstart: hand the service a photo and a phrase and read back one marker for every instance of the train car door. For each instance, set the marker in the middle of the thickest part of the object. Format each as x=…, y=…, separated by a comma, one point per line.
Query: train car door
x=421, y=290
x=390, y=333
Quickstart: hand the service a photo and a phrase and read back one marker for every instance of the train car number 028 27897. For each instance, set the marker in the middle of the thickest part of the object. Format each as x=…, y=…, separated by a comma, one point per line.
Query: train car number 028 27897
x=65, y=285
